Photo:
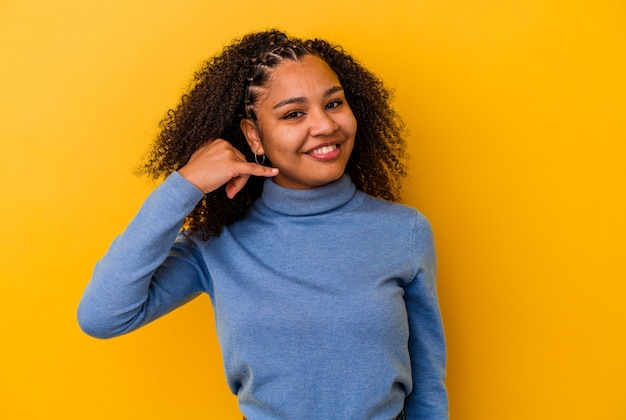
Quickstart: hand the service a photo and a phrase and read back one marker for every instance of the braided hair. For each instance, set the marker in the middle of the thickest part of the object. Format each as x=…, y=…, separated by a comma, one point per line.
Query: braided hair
x=225, y=90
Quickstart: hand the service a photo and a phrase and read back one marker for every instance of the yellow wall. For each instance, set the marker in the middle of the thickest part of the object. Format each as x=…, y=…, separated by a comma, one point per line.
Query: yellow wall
x=517, y=111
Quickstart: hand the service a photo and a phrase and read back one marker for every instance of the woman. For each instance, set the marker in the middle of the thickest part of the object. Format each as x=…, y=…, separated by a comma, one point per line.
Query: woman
x=324, y=296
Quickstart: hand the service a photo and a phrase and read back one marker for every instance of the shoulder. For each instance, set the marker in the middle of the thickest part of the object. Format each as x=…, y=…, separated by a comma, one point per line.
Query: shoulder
x=403, y=229
x=394, y=211
x=400, y=220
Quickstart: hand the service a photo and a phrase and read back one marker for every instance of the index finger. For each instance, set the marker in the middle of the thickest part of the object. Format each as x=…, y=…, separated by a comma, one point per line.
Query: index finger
x=258, y=170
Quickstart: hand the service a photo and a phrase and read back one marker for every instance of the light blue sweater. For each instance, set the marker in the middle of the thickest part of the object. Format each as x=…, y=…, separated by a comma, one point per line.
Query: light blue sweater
x=325, y=300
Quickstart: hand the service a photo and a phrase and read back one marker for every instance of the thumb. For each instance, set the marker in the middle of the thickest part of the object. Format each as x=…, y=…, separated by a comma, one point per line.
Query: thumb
x=235, y=185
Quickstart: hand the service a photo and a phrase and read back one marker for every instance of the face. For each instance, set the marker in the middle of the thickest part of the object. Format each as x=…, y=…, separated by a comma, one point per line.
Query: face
x=304, y=124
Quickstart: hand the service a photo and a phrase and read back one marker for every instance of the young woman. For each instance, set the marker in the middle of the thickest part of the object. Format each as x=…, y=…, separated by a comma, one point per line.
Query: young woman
x=281, y=166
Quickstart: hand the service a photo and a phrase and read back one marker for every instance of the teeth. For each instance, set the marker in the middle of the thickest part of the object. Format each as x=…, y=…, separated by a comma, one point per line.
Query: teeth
x=324, y=149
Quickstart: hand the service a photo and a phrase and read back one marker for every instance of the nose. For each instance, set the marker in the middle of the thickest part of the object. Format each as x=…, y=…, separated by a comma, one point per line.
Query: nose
x=322, y=124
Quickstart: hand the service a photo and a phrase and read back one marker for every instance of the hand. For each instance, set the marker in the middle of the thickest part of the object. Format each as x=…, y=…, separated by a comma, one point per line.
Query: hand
x=217, y=162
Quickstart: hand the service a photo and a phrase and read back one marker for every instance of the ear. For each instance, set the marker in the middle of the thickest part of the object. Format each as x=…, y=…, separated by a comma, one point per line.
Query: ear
x=253, y=137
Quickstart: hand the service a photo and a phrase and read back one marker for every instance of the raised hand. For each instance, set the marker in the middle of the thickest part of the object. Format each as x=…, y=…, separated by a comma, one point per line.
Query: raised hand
x=217, y=162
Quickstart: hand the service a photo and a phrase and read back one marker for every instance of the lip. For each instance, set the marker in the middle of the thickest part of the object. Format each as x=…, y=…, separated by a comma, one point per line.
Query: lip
x=334, y=151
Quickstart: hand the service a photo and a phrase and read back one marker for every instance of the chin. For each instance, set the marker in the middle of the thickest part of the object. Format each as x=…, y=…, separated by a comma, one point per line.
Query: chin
x=330, y=178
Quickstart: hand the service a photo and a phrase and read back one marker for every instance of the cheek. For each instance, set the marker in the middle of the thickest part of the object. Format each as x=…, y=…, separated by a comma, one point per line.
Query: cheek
x=354, y=126
x=283, y=141
x=349, y=128
x=348, y=123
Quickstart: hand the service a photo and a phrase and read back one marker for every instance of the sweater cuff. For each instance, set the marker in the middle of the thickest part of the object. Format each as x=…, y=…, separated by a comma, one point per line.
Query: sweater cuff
x=176, y=194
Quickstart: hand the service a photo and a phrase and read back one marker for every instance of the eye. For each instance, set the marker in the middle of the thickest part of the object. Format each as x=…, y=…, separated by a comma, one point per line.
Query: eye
x=292, y=115
x=334, y=104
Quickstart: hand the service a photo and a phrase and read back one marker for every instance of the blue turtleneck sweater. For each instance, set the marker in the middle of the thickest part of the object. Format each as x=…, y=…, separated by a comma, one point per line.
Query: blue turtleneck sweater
x=325, y=300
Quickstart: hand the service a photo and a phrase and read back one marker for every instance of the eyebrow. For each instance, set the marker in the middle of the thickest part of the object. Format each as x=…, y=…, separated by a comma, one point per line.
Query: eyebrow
x=302, y=99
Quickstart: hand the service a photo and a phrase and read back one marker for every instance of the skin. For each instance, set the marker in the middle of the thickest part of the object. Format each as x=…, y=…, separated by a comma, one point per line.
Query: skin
x=216, y=163
x=304, y=125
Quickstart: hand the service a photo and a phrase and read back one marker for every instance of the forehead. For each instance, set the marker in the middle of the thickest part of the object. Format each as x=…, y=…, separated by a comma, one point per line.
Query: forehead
x=296, y=77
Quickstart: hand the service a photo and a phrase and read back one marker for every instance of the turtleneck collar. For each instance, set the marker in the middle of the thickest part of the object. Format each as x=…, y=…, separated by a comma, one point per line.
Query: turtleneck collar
x=307, y=202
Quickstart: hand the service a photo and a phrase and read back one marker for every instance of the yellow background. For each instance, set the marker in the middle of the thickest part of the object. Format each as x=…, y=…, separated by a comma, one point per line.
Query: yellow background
x=517, y=114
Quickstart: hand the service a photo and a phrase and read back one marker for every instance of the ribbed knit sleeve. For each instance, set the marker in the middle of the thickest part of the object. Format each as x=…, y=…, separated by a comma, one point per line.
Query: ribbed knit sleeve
x=427, y=348
x=146, y=272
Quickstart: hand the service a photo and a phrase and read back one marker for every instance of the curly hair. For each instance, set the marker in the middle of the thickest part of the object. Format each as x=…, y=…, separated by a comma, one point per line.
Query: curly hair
x=224, y=91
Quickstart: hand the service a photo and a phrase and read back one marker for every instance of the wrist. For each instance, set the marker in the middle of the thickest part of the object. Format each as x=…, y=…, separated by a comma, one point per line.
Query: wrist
x=188, y=176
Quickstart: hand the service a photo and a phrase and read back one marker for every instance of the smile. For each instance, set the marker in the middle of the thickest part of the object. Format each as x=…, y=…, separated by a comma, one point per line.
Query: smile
x=324, y=150
x=325, y=153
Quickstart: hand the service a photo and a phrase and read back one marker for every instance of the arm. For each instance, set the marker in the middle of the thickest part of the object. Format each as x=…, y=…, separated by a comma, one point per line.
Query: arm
x=146, y=272
x=427, y=347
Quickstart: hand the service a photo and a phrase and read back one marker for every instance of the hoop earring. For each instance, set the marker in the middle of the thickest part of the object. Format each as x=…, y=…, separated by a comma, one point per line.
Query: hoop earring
x=256, y=159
